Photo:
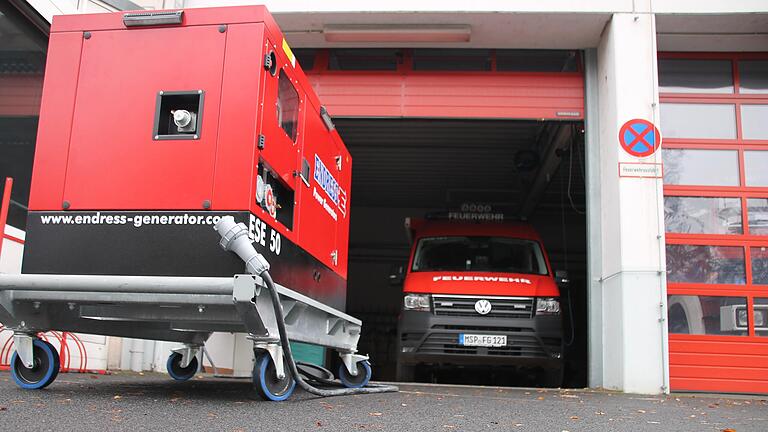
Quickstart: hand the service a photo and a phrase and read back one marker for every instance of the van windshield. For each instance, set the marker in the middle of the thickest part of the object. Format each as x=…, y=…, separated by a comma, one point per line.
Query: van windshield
x=490, y=254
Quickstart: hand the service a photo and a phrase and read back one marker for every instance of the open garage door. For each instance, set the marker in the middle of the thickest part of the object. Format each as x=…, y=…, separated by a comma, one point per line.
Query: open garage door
x=430, y=129
x=409, y=167
x=447, y=83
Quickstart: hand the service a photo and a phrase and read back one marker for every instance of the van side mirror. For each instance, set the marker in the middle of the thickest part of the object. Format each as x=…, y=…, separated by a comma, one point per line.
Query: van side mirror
x=561, y=277
x=396, y=274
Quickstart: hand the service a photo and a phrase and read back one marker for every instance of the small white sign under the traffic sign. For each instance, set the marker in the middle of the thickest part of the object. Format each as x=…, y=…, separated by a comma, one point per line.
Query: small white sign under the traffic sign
x=640, y=170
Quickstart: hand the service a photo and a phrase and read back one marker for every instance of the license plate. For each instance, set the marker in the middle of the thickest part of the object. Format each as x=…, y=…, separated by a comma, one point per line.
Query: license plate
x=482, y=340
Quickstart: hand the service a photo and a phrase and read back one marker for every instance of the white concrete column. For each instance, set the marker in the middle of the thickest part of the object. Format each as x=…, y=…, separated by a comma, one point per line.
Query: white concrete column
x=137, y=354
x=631, y=278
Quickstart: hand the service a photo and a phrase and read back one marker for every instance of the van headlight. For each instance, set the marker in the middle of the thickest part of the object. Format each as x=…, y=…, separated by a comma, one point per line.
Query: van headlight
x=416, y=302
x=547, y=306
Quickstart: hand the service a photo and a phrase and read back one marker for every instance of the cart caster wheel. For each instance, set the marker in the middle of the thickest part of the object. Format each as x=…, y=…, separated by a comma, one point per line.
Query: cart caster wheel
x=362, y=378
x=176, y=371
x=265, y=380
x=44, y=370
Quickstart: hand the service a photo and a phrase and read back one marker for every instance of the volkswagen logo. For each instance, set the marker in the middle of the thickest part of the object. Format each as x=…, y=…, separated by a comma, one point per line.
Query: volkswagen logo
x=483, y=307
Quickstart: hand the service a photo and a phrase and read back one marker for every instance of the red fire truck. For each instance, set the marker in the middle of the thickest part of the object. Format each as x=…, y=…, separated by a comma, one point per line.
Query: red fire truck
x=479, y=292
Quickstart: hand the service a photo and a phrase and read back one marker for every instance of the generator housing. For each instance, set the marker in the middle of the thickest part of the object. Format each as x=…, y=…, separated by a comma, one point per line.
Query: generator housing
x=154, y=125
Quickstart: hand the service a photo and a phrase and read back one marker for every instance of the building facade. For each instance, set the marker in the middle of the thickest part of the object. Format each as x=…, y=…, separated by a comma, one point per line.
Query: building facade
x=674, y=261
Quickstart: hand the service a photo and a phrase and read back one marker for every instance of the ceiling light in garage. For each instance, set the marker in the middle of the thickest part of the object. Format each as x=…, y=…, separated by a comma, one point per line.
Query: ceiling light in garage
x=397, y=33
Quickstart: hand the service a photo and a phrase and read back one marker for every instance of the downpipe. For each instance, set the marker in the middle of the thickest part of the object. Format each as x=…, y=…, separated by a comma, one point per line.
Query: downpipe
x=234, y=238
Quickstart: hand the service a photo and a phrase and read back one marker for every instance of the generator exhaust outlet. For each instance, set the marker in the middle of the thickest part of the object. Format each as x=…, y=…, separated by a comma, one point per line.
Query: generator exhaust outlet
x=234, y=238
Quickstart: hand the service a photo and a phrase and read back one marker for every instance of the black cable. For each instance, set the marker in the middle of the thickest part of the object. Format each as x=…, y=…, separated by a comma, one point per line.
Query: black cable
x=280, y=318
x=565, y=253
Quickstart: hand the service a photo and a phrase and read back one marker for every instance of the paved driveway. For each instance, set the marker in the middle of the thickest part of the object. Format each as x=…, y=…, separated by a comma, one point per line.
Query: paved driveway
x=134, y=402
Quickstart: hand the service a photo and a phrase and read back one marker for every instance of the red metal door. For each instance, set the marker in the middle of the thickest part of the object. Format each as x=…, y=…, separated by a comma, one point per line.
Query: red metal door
x=716, y=212
x=120, y=69
x=409, y=91
x=319, y=196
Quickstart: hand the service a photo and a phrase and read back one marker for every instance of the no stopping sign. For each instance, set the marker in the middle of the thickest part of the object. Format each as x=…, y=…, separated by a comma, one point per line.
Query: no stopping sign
x=639, y=137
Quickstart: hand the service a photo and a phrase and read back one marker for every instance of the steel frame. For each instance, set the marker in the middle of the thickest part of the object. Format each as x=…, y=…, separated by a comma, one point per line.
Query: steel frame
x=180, y=309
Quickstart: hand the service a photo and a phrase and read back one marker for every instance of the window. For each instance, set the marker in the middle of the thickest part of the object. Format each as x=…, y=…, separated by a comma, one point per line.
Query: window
x=705, y=264
x=757, y=211
x=759, y=265
x=754, y=121
x=753, y=76
x=305, y=57
x=702, y=215
x=701, y=167
x=536, y=61
x=709, y=121
x=287, y=106
x=761, y=316
x=756, y=168
x=695, y=76
x=452, y=59
x=363, y=59
x=483, y=254
x=692, y=314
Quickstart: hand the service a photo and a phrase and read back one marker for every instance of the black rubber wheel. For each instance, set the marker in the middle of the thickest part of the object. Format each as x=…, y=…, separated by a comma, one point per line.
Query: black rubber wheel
x=355, y=381
x=45, y=367
x=179, y=373
x=265, y=381
x=56, y=363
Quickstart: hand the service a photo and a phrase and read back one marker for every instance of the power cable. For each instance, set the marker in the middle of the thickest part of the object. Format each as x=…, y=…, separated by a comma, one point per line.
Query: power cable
x=288, y=353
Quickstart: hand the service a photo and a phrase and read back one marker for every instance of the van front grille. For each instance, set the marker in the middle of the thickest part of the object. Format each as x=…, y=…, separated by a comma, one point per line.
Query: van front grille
x=501, y=307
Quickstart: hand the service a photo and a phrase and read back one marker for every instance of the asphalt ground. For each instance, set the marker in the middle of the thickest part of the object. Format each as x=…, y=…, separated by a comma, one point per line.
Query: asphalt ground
x=151, y=401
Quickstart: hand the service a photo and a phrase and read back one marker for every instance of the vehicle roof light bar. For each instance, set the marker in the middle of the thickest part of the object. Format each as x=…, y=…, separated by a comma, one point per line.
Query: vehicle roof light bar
x=139, y=19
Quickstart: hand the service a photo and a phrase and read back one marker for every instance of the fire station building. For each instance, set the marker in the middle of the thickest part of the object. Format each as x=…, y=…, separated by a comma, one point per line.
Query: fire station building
x=632, y=134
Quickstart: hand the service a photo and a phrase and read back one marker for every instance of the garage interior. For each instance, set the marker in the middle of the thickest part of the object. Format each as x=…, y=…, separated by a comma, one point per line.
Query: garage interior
x=532, y=170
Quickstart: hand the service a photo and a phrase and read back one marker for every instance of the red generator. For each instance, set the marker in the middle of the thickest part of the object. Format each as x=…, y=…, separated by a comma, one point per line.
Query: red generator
x=153, y=127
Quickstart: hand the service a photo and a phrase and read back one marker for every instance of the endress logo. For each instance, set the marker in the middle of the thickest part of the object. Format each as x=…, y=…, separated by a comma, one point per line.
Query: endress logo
x=325, y=179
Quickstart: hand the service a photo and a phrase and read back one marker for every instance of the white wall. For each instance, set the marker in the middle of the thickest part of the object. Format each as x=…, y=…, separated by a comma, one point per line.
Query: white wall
x=12, y=251
x=232, y=354
x=632, y=277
